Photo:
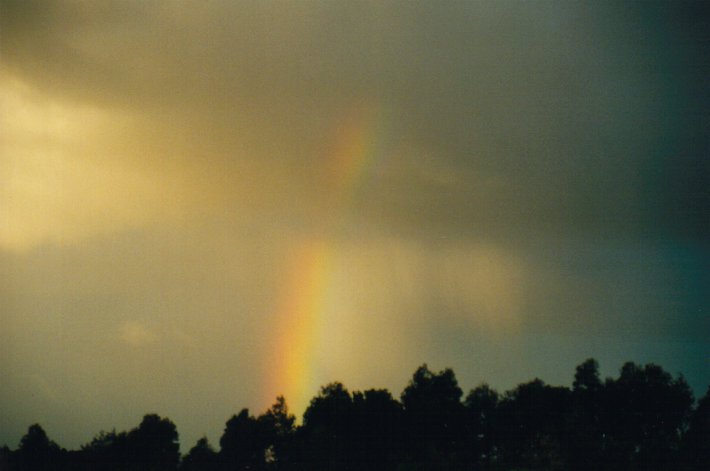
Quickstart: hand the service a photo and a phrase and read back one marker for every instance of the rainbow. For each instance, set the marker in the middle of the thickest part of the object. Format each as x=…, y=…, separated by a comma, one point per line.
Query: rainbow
x=295, y=369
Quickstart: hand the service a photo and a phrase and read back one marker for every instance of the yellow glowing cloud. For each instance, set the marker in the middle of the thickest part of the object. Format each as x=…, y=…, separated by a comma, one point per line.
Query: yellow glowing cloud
x=63, y=176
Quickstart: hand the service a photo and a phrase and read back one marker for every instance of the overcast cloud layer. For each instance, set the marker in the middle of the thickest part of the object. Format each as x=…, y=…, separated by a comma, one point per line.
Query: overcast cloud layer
x=540, y=195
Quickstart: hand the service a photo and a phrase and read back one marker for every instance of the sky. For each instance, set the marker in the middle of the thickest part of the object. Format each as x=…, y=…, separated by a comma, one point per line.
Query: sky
x=204, y=205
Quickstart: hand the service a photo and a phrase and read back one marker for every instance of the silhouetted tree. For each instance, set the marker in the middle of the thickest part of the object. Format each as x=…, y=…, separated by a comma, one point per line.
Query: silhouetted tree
x=645, y=412
x=153, y=446
x=37, y=451
x=278, y=428
x=586, y=377
x=5, y=457
x=108, y=451
x=376, y=429
x=358, y=431
x=586, y=439
x=243, y=444
x=327, y=427
x=697, y=439
x=434, y=417
x=532, y=426
x=201, y=457
x=481, y=404
x=643, y=420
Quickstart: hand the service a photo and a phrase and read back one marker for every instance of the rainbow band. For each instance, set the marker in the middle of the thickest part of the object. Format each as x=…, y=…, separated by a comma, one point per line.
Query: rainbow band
x=295, y=370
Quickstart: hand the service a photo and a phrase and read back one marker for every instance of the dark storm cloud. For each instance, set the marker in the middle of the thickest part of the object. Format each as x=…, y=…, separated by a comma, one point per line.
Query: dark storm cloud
x=625, y=289
x=594, y=116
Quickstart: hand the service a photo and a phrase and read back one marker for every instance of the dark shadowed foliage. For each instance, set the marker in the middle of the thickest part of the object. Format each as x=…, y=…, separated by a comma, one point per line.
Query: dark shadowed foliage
x=697, y=438
x=358, y=431
x=108, y=451
x=201, y=457
x=154, y=445
x=586, y=435
x=327, y=425
x=642, y=420
x=481, y=405
x=243, y=444
x=377, y=428
x=278, y=427
x=37, y=451
x=434, y=417
x=532, y=424
x=645, y=412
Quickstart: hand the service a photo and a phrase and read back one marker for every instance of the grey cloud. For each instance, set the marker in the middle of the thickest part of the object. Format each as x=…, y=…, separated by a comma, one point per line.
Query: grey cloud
x=592, y=116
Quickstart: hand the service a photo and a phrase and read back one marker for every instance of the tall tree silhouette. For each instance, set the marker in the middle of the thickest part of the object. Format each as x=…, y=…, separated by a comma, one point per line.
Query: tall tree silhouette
x=642, y=420
x=278, y=427
x=481, y=408
x=37, y=451
x=433, y=416
x=697, y=438
x=358, y=431
x=107, y=451
x=243, y=443
x=586, y=438
x=327, y=428
x=376, y=429
x=153, y=446
x=201, y=457
x=532, y=425
x=645, y=413
x=5, y=457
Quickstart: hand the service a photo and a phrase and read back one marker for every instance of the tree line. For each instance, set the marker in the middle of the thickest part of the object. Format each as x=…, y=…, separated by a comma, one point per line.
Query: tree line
x=643, y=420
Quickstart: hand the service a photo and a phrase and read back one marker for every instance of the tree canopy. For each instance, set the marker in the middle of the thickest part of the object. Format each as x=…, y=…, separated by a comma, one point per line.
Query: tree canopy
x=645, y=419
